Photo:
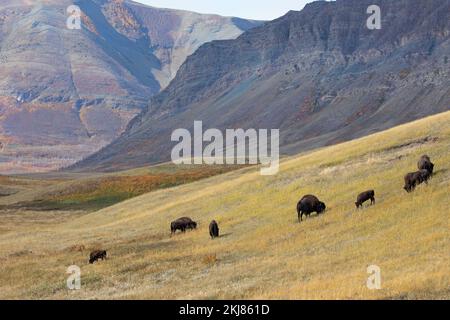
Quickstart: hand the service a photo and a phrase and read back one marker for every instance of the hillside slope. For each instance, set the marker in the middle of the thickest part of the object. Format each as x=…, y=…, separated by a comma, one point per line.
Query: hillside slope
x=319, y=75
x=263, y=252
x=66, y=93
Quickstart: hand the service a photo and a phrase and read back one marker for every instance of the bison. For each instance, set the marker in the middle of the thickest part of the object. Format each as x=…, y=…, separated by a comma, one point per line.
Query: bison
x=97, y=255
x=309, y=204
x=413, y=179
x=182, y=224
x=365, y=196
x=214, y=229
x=425, y=164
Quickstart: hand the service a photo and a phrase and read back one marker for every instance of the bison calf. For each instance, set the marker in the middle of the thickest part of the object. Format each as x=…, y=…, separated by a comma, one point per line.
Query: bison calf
x=365, y=196
x=97, y=255
x=214, y=229
x=182, y=224
x=425, y=164
x=309, y=204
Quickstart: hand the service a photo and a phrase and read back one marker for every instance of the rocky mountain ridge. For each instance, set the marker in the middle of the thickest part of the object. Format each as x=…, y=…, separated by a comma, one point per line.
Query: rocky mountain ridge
x=66, y=93
x=320, y=75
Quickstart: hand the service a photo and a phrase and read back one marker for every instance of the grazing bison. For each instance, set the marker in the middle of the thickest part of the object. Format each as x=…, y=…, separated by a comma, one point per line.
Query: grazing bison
x=413, y=179
x=309, y=204
x=426, y=175
x=182, y=224
x=214, y=229
x=97, y=255
x=365, y=196
x=425, y=164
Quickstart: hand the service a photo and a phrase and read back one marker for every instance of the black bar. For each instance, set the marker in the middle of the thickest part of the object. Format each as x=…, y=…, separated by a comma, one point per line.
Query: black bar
x=223, y=309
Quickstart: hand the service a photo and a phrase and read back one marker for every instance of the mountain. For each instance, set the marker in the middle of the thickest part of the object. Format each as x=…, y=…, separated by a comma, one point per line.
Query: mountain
x=319, y=75
x=66, y=93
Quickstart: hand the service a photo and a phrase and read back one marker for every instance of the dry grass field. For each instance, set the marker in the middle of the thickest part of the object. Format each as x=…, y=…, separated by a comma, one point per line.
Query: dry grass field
x=263, y=251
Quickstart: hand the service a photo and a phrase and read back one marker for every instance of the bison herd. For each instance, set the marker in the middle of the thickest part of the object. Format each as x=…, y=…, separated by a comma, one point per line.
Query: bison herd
x=185, y=223
x=307, y=205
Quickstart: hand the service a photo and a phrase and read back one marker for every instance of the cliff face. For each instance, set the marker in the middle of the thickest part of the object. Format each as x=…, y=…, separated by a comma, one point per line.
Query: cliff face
x=66, y=93
x=320, y=75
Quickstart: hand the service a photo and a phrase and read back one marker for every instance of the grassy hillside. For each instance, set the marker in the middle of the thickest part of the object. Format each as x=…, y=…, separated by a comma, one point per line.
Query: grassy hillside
x=263, y=252
x=91, y=192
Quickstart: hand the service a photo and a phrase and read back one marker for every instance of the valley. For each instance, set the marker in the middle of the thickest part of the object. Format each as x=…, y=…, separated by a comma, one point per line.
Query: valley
x=263, y=252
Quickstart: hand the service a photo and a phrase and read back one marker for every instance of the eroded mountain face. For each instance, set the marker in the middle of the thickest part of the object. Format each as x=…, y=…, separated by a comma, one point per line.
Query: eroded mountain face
x=66, y=93
x=319, y=75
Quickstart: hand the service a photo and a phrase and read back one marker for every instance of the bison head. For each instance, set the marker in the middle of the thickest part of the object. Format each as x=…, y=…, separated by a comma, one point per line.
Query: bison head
x=321, y=207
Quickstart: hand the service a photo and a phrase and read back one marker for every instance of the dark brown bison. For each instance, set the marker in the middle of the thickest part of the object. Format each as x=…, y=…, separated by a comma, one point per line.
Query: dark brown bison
x=97, y=255
x=365, y=196
x=309, y=204
x=182, y=224
x=413, y=179
x=214, y=229
x=425, y=164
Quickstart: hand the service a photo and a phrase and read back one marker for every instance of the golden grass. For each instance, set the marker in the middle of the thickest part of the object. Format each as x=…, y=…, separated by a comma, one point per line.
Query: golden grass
x=263, y=252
